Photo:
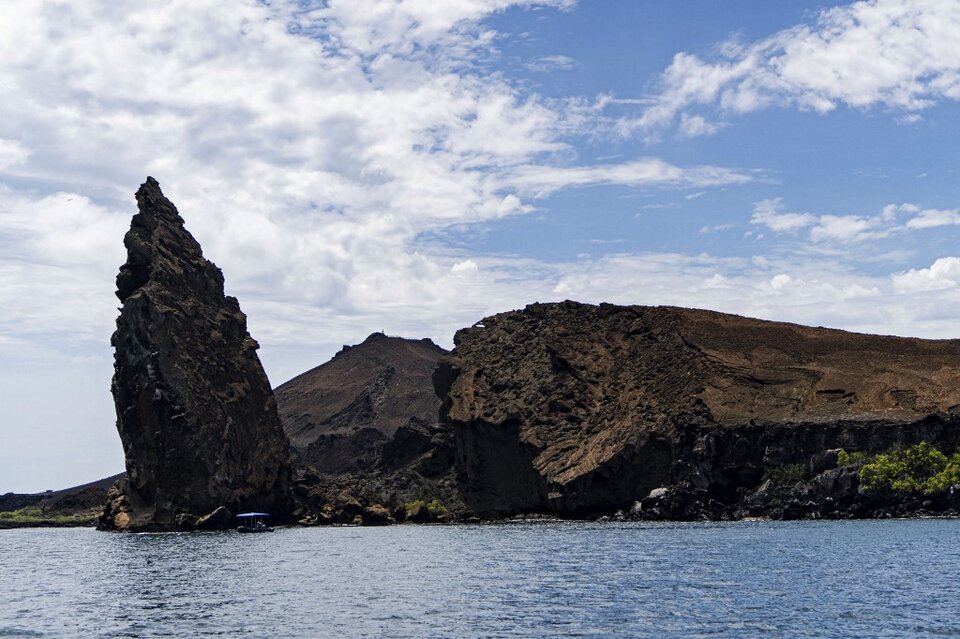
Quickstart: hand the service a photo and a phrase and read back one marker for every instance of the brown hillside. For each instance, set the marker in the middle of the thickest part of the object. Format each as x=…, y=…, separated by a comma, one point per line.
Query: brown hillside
x=572, y=407
x=340, y=414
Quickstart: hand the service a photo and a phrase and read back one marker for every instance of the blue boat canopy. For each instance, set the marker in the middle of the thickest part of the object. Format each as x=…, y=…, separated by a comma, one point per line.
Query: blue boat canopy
x=253, y=515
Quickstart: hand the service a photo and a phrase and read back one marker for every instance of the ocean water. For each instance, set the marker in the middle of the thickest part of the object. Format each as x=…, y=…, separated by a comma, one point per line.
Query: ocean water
x=747, y=579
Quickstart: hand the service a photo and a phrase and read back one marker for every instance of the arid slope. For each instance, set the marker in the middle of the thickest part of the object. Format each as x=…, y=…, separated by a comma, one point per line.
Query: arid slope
x=574, y=408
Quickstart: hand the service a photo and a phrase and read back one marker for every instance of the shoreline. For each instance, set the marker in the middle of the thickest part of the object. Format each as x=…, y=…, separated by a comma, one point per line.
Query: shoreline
x=512, y=521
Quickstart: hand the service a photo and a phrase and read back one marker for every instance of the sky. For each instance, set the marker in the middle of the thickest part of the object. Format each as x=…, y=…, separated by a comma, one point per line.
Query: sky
x=411, y=166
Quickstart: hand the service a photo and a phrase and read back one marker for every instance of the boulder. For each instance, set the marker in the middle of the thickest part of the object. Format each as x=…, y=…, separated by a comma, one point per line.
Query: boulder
x=376, y=515
x=419, y=514
x=821, y=461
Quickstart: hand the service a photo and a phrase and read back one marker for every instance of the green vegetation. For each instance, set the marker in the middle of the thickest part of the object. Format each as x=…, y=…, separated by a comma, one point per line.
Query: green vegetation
x=921, y=468
x=854, y=458
x=786, y=475
x=413, y=505
x=435, y=507
x=36, y=516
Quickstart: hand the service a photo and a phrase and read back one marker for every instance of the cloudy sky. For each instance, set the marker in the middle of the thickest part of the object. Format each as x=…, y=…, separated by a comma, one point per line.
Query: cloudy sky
x=411, y=166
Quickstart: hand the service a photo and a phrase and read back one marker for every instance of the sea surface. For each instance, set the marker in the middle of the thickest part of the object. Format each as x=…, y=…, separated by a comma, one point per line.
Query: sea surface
x=895, y=578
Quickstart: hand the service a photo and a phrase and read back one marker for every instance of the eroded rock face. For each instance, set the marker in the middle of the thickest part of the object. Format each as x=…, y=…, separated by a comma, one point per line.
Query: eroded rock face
x=576, y=409
x=377, y=395
x=195, y=411
x=365, y=432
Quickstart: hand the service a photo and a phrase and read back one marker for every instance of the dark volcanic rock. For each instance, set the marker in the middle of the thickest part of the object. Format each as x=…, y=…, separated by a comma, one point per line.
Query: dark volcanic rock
x=582, y=410
x=340, y=415
x=365, y=430
x=195, y=411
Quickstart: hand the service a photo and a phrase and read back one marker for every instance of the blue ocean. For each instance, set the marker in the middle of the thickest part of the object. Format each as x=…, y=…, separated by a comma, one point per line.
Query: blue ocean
x=893, y=578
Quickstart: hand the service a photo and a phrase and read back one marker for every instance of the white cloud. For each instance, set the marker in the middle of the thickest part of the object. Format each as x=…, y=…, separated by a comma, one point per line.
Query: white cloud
x=716, y=228
x=780, y=281
x=403, y=27
x=12, y=153
x=942, y=274
x=770, y=214
x=542, y=180
x=692, y=126
x=851, y=228
x=550, y=63
x=931, y=218
x=899, y=54
x=464, y=267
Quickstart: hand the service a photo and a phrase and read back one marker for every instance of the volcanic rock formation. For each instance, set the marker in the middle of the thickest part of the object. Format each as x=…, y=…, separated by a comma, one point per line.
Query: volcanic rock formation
x=195, y=411
x=340, y=415
x=576, y=409
x=364, y=431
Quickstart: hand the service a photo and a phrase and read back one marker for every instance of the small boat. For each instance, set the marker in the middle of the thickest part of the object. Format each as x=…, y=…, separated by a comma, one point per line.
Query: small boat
x=253, y=523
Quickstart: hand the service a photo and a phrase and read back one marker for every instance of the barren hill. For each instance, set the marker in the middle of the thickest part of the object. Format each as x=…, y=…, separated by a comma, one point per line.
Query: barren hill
x=340, y=414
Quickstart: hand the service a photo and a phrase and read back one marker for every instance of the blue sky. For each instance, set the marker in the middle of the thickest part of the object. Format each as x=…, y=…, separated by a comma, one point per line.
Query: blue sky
x=412, y=166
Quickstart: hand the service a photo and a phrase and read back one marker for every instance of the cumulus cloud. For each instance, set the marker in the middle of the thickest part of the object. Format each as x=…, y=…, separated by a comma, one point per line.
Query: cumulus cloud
x=898, y=54
x=942, y=274
x=770, y=213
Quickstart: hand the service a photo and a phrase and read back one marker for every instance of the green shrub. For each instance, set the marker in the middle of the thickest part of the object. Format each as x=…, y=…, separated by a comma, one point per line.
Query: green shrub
x=786, y=475
x=413, y=505
x=946, y=478
x=436, y=507
x=921, y=468
x=853, y=458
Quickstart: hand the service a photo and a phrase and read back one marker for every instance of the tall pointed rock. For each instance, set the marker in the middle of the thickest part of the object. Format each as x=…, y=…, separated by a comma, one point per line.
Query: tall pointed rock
x=195, y=411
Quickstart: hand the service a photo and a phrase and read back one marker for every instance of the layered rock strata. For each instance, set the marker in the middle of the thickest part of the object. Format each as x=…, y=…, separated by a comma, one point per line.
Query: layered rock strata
x=576, y=409
x=195, y=411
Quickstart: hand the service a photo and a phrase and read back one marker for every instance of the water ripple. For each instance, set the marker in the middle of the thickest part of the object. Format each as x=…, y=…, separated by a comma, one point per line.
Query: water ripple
x=746, y=579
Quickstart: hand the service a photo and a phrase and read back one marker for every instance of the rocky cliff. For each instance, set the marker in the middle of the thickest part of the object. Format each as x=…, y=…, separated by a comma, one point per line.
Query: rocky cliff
x=576, y=409
x=195, y=410
x=364, y=431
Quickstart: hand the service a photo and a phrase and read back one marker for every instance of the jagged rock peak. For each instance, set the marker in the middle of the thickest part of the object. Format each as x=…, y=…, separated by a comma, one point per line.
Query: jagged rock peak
x=195, y=411
x=158, y=244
